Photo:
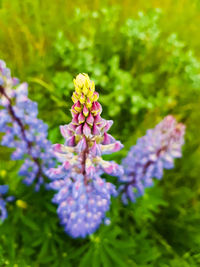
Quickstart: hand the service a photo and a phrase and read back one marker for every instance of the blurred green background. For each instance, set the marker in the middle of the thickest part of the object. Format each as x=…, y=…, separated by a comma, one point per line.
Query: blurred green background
x=145, y=60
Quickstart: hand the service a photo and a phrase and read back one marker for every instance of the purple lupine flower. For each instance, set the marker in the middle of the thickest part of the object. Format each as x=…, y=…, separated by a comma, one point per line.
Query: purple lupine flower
x=3, y=201
x=22, y=130
x=153, y=153
x=83, y=195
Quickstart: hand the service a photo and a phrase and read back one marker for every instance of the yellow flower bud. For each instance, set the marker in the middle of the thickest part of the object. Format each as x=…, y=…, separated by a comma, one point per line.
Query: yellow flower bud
x=78, y=90
x=82, y=99
x=92, y=86
x=85, y=90
x=88, y=103
x=95, y=97
x=81, y=80
x=74, y=97
x=21, y=204
x=90, y=93
x=3, y=173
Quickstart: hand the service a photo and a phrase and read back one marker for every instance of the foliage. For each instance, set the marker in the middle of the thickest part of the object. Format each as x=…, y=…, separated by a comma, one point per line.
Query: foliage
x=145, y=71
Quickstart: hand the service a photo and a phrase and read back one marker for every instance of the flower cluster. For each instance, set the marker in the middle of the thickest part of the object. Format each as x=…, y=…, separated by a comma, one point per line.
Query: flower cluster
x=23, y=130
x=153, y=152
x=83, y=195
x=3, y=201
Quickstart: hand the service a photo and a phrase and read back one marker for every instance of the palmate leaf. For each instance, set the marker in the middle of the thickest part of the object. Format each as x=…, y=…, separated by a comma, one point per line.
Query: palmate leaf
x=2, y=259
x=30, y=223
x=86, y=260
x=43, y=250
x=115, y=256
x=96, y=258
x=146, y=207
x=109, y=249
x=75, y=253
x=104, y=258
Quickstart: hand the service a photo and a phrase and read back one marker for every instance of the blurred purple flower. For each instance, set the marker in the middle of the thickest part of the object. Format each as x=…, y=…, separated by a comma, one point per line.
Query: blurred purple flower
x=3, y=201
x=23, y=130
x=153, y=153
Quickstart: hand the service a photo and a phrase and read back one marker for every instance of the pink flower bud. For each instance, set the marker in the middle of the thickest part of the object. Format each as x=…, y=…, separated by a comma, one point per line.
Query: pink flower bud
x=81, y=145
x=79, y=129
x=58, y=148
x=86, y=130
x=90, y=119
x=107, y=149
x=102, y=124
x=73, y=111
x=95, y=149
x=98, y=106
x=85, y=111
x=108, y=125
x=97, y=119
x=94, y=108
x=70, y=141
x=81, y=118
x=108, y=139
x=71, y=127
x=65, y=131
x=95, y=130
x=75, y=119
x=77, y=106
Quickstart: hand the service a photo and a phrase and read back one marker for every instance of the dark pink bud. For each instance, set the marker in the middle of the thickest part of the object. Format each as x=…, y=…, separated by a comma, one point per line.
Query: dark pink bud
x=81, y=118
x=57, y=148
x=65, y=131
x=77, y=106
x=118, y=146
x=79, y=129
x=73, y=111
x=90, y=119
x=102, y=124
x=108, y=139
x=94, y=108
x=81, y=145
x=98, y=106
x=75, y=119
x=86, y=130
x=108, y=125
x=85, y=111
x=71, y=127
x=95, y=149
x=95, y=130
x=97, y=119
x=70, y=141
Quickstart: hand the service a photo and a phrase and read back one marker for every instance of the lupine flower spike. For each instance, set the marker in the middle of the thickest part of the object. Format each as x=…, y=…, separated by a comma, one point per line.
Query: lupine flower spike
x=83, y=196
x=23, y=130
x=153, y=152
x=3, y=201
